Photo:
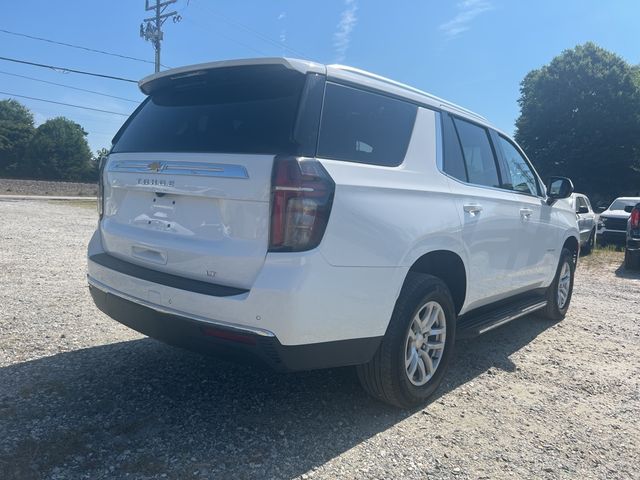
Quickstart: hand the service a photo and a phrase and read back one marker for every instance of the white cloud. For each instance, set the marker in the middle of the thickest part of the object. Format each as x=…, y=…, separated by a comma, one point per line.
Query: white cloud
x=468, y=10
x=283, y=31
x=342, y=35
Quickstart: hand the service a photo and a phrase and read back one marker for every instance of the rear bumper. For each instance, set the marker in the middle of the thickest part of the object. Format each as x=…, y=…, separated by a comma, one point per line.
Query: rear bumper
x=611, y=236
x=633, y=244
x=229, y=341
x=305, y=305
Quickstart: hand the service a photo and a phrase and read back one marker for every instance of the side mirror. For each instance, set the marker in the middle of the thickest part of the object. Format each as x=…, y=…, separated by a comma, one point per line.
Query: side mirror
x=557, y=188
x=583, y=209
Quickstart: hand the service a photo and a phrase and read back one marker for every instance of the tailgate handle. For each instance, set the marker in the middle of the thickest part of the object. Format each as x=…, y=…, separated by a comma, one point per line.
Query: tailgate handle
x=149, y=254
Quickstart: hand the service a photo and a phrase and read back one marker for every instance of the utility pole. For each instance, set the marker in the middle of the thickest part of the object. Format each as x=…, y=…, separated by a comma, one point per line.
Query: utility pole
x=151, y=28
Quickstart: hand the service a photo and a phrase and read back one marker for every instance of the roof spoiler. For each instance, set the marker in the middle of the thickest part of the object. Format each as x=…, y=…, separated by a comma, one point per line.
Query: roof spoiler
x=150, y=83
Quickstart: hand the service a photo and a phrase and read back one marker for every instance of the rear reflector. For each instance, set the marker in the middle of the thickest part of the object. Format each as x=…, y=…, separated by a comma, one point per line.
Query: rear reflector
x=301, y=197
x=227, y=335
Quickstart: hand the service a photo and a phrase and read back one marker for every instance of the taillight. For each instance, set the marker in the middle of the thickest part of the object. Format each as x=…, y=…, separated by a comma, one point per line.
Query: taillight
x=301, y=197
x=634, y=219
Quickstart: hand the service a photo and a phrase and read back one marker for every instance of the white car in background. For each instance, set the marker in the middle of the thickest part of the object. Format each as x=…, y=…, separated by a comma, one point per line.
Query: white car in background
x=316, y=216
x=612, y=223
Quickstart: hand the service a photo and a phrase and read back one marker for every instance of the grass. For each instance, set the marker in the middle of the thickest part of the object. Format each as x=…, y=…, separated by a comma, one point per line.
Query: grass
x=603, y=257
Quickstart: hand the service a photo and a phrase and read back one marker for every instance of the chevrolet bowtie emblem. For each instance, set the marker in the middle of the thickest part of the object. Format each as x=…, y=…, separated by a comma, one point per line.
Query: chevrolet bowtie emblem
x=156, y=166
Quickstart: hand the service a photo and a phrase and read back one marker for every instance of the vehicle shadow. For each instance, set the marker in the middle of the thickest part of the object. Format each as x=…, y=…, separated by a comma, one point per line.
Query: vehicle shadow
x=142, y=409
x=623, y=272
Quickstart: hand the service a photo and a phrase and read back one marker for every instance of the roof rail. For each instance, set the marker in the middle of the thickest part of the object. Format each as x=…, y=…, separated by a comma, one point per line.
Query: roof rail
x=404, y=86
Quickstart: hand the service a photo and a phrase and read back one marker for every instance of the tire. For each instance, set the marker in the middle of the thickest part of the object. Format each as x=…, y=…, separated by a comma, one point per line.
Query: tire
x=555, y=309
x=631, y=260
x=588, y=247
x=386, y=377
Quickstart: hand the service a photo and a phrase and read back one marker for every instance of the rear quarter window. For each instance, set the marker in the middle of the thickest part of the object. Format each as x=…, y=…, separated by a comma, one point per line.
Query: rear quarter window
x=364, y=127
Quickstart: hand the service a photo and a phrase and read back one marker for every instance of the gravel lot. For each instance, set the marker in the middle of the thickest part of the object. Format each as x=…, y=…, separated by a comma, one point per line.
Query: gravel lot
x=9, y=186
x=84, y=397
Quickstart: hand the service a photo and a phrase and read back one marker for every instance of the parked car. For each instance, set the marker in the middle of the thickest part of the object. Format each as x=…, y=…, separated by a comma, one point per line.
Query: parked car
x=612, y=223
x=318, y=216
x=586, y=221
x=632, y=250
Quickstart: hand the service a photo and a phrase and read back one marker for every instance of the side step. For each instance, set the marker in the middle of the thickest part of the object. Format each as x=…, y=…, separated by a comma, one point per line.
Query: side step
x=474, y=324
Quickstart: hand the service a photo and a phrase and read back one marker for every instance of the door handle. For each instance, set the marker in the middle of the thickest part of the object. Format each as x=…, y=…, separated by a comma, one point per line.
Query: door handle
x=525, y=213
x=472, y=208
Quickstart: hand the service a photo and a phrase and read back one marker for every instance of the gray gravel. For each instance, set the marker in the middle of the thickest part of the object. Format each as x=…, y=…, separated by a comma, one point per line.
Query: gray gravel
x=84, y=397
x=9, y=186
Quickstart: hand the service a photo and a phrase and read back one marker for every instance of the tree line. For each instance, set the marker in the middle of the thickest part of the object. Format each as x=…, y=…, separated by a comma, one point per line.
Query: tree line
x=55, y=150
x=579, y=117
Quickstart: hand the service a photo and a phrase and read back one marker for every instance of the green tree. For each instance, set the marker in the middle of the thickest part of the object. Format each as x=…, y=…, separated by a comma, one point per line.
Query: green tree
x=16, y=130
x=59, y=151
x=96, y=161
x=580, y=117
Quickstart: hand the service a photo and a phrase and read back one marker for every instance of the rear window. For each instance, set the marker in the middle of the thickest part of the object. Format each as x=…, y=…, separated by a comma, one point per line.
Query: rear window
x=228, y=110
x=364, y=127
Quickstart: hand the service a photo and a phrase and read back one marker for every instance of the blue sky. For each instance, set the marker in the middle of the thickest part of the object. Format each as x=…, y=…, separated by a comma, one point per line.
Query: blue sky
x=472, y=52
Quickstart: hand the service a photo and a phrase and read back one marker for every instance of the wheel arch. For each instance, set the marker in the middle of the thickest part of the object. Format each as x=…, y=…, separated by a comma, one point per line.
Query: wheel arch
x=572, y=244
x=449, y=267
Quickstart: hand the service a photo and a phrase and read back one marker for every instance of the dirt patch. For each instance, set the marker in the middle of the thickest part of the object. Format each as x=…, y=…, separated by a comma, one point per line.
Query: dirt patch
x=84, y=397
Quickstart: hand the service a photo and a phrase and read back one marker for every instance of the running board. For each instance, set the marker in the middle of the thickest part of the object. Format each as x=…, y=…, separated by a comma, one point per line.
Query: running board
x=474, y=325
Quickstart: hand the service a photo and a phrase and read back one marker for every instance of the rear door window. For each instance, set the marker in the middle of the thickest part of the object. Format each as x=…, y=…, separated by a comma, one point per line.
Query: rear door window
x=364, y=127
x=478, y=154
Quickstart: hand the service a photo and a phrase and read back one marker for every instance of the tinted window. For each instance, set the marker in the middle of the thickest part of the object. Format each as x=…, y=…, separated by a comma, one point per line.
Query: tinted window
x=241, y=109
x=620, y=204
x=478, y=154
x=453, y=163
x=580, y=203
x=364, y=127
x=522, y=178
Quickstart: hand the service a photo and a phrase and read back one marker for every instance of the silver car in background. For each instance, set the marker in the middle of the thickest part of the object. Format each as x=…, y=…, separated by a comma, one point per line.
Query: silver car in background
x=586, y=221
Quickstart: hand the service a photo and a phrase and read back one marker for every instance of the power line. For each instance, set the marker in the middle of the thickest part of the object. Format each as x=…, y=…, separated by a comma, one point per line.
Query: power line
x=64, y=69
x=216, y=32
x=69, y=86
x=256, y=33
x=65, y=104
x=79, y=47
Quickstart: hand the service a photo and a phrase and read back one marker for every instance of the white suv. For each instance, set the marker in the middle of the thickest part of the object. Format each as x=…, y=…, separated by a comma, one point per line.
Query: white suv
x=612, y=223
x=317, y=216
